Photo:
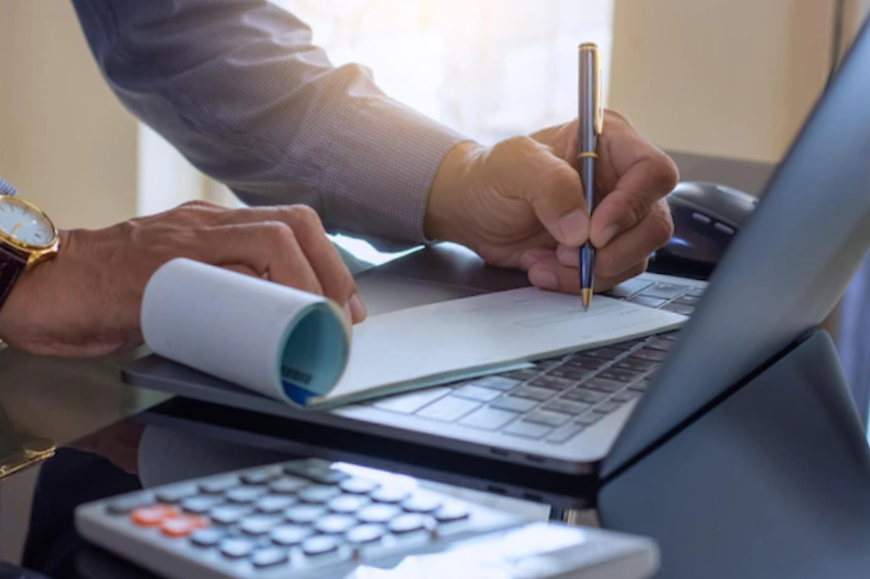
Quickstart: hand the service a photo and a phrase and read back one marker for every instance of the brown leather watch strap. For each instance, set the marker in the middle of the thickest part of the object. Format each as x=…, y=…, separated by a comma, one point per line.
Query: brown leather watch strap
x=11, y=266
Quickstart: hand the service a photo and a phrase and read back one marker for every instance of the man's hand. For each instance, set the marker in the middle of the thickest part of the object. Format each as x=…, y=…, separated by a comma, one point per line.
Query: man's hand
x=521, y=204
x=86, y=301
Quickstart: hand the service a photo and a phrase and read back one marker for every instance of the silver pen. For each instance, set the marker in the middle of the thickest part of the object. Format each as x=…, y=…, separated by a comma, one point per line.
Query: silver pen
x=590, y=125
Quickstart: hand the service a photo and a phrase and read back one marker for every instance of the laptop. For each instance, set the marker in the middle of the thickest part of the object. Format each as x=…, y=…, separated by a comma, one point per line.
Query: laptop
x=593, y=412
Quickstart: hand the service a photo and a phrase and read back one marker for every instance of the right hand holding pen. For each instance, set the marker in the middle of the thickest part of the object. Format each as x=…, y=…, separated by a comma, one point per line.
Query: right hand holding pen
x=86, y=301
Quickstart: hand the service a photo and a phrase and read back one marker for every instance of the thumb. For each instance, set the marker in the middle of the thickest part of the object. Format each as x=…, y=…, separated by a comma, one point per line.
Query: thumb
x=549, y=184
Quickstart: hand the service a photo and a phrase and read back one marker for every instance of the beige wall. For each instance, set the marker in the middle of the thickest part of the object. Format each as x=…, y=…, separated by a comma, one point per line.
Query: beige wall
x=731, y=78
x=65, y=141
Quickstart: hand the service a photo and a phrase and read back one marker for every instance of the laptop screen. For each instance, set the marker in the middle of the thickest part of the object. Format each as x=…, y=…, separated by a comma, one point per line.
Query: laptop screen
x=786, y=269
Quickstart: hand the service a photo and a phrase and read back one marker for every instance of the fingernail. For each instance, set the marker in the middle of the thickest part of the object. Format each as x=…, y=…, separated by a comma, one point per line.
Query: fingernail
x=358, y=308
x=610, y=232
x=544, y=279
x=348, y=313
x=572, y=227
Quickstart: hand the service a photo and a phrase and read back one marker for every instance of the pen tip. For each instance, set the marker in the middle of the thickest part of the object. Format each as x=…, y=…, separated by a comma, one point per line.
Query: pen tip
x=586, y=296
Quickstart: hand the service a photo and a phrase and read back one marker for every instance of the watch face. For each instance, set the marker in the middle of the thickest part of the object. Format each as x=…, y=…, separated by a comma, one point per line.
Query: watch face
x=25, y=224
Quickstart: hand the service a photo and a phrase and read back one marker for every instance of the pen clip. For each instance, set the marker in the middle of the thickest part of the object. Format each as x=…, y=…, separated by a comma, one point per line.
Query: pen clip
x=598, y=126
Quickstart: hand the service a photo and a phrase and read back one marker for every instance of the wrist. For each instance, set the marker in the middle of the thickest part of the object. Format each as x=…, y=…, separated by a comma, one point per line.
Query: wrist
x=446, y=207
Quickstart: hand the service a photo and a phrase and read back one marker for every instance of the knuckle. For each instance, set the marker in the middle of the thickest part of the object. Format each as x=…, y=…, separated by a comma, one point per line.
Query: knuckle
x=277, y=232
x=304, y=216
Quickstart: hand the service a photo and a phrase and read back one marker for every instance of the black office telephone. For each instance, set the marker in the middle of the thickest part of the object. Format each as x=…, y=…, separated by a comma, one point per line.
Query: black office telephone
x=707, y=216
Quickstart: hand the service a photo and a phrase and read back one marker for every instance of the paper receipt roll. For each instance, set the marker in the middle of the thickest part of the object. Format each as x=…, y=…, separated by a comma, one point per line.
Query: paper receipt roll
x=283, y=343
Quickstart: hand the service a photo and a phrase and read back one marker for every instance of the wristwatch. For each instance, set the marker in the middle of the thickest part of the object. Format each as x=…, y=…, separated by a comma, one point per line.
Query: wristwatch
x=27, y=237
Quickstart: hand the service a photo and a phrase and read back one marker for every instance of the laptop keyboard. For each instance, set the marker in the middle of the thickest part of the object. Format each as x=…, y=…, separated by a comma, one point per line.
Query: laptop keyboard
x=559, y=397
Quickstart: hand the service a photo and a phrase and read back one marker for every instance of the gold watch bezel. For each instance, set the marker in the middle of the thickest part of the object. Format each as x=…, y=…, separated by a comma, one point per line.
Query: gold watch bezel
x=33, y=253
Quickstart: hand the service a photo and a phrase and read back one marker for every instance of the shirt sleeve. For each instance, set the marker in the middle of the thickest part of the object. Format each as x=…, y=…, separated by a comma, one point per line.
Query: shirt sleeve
x=238, y=88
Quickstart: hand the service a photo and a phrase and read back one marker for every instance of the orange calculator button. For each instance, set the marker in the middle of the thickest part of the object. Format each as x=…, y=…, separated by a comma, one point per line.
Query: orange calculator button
x=182, y=526
x=153, y=515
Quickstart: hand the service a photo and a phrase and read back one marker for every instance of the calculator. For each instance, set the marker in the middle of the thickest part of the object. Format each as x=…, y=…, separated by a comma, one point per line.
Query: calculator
x=308, y=518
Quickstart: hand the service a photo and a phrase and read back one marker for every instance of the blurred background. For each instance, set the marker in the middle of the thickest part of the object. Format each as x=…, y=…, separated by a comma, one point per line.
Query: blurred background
x=729, y=78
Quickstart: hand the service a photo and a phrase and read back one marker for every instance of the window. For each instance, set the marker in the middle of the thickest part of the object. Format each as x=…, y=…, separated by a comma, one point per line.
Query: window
x=488, y=68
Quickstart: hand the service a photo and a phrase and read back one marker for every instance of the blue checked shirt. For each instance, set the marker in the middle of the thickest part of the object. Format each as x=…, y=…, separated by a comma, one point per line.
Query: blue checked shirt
x=238, y=88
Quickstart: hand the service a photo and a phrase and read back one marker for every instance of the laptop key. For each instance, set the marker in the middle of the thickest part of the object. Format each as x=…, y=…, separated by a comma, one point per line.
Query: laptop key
x=565, y=433
x=547, y=417
x=553, y=383
x=586, y=362
x=639, y=386
x=528, y=429
x=476, y=393
x=412, y=402
x=604, y=385
x=626, y=395
x=688, y=300
x=628, y=288
x=449, y=409
x=679, y=309
x=661, y=344
x=695, y=292
x=650, y=354
x=584, y=395
x=533, y=393
x=665, y=291
x=511, y=404
x=626, y=346
x=567, y=407
x=506, y=382
x=488, y=418
x=571, y=373
x=517, y=375
x=637, y=365
x=607, y=407
x=588, y=419
x=619, y=374
x=648, y=302
x=603, y=353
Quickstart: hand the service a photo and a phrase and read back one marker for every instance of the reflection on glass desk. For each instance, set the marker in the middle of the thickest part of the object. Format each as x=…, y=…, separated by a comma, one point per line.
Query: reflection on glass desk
x=19, y=451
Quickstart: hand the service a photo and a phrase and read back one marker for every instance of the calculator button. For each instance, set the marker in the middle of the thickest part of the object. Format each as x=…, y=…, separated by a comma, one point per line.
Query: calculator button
x=365, y=534
x=648, y=301
x=321, y=545
x=421, y=504
x=201, y=504
x=304, y=514
x=274, y=504
x=318, y=494
x=315, y=472
x=218, y=485
x=269, y=557
x=207, y=537
x=389, y=495
x=347, y=504
x=290, y=535
x=287, y=485
x=378, y=513
x=125, y=505
x=358, y=486
x=244, y=495
x=258, y=524
x=407, y=524
x=153, y=515
x=335, y=524
x=237, y=547
x=260, y=477
x=182, y=526
x=229, y=514
x=451, y=513
x=175, y=494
